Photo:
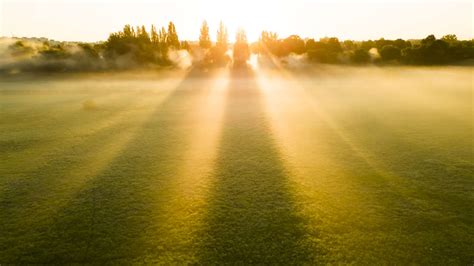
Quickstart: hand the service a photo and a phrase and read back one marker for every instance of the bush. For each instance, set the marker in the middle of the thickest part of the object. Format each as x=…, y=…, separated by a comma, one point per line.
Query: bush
x=390, y=53
x=360, y=56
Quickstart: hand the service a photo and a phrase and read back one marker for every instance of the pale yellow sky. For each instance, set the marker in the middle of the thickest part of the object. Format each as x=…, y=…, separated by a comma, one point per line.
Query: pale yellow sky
x=89, y=20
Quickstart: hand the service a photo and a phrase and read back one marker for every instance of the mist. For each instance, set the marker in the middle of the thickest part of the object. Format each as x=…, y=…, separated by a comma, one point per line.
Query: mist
x=25, y=55
x=347, y=134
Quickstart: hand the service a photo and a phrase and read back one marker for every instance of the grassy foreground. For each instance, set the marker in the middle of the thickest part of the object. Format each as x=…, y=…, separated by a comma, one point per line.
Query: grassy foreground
x=335, y=165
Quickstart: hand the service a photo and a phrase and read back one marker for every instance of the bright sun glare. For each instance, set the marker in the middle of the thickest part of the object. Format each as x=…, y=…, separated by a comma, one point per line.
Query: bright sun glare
x=251, y=16
x=86, y=20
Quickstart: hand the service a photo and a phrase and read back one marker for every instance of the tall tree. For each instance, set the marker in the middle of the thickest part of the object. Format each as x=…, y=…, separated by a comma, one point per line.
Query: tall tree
x=204, y=38
x=450, y=38
x=185, y=45
x=172, y=40
x=138, y=31
x=222, y=38
x=240, y=36
x=269, y=43
x=241, y=48
x=162, y=36
x=143, y=35
x=128, y=31
x=154, y=35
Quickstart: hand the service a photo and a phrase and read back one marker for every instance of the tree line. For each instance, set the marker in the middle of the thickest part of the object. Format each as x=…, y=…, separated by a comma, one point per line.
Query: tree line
x=143, y=46
x=428, y=51
x=139, y=47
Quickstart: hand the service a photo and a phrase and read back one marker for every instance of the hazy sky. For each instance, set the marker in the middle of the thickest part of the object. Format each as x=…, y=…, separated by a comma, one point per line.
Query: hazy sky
x=93, y=20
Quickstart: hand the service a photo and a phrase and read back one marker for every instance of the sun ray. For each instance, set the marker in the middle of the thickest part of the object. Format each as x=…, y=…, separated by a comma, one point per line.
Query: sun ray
x=100, y=146
x=182, y=198
x=312, y=154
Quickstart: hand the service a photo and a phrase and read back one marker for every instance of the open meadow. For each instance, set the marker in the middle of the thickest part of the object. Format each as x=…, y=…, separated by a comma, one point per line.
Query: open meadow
x=331, y=165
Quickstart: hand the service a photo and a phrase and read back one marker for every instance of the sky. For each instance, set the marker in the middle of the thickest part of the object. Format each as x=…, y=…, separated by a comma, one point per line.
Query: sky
x=93, y=20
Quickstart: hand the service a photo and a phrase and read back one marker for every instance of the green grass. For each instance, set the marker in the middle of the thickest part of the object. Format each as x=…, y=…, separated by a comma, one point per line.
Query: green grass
x=251, y=215
x=336, y=165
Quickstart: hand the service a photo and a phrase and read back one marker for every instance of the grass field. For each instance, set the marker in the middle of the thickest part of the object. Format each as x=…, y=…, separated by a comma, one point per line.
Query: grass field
x=334, y=165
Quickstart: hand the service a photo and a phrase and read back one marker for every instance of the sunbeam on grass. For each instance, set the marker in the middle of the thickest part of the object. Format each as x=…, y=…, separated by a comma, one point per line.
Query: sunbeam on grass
x=330, y=165
x=251, y=217
x=358, y=170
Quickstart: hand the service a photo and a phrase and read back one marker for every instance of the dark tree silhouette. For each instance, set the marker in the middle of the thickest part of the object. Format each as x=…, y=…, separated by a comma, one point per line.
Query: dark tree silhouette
x=349, y=45
x=326, y=50
x=390, y=52
x=360, y=56
x=154, y=36
x=450, y=38
x=172, y=38
x=293, y=44
x=135, y=47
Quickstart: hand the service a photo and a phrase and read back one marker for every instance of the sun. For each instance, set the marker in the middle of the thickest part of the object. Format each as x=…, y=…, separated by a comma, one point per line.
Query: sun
x=252, y=16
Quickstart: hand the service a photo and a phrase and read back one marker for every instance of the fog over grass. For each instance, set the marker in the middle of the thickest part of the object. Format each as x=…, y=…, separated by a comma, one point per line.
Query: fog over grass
x=134, y=48
x=318, y=165
x=39, y=55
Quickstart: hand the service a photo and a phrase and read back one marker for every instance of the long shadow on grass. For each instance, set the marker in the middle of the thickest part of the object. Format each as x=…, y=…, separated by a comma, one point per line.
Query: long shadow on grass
x=112, y=218
x=32, y=189
x=251, y=214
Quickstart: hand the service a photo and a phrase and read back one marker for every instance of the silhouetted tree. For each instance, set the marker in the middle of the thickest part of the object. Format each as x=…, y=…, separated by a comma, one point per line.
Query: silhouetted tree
x=349, y=45
x=222, y=38
x=143, y=36
x=269, y=44
x=450, y=38
x=54, y=52
x=218, y=55
x=332, y=44
x=204, y=38
x=428, y=40
x=162, y=36
x=326, y=50
x=360, y=56
x=401, y=44
x=128, y=31
x=293, y=44
x=185, y=45
x=241, y=52
x=390, y=53
x=136, y=47
x=154, y=36
x=89, y=50
x=367, y=45
x=19, y=48
x=431, y=51
x=172, y=37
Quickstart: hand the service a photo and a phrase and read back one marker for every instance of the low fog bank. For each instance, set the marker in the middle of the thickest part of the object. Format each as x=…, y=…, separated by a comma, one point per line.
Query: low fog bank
x=122, y=52
x=39, y=55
